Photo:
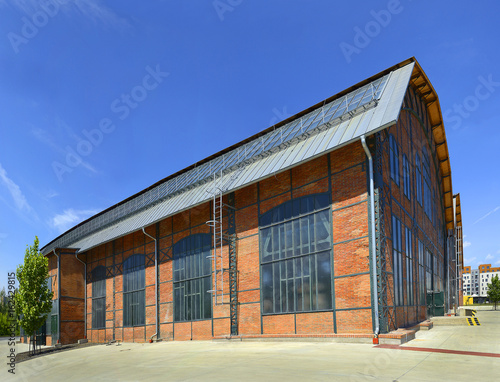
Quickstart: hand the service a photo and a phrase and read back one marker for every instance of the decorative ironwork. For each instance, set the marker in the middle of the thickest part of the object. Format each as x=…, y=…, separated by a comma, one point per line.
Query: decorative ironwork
x=165, y=255
x=382, y=200
x=233, y=269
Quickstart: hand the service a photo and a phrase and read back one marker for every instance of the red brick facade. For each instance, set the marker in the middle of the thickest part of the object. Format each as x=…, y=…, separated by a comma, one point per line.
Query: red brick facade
x=343, y=174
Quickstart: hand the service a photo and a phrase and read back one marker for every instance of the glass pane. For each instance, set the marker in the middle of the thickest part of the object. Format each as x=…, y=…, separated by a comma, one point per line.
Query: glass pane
x=324, y=281
x=207, y=308
x=277, y=288
x=266, y=240
x=267, y=288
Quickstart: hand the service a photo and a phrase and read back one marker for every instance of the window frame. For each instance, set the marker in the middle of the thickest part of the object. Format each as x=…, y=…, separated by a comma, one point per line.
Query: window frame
x=406, y=177
x=426, y=175
x=397, y=261
x=394, y=158
x=418, y=178
x=283, y=271
x=185, y=256
x=135, y=273
x=409, y=267
x=99, y=297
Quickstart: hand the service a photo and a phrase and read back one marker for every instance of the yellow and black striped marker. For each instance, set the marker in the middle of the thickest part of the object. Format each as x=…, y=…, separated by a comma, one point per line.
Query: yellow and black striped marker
x=474, y=313
x=473, y=321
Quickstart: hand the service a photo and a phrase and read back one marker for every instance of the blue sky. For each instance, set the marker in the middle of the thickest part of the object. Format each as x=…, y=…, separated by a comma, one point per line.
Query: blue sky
x=101, y=99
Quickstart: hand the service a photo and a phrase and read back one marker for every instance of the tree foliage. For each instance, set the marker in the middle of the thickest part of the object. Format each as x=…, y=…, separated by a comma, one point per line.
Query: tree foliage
x=494, y=290
x=4, y=324
x=33, y=299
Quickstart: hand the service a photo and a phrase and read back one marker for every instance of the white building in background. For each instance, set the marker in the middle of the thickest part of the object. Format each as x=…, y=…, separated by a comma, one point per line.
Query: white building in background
x=475, y=281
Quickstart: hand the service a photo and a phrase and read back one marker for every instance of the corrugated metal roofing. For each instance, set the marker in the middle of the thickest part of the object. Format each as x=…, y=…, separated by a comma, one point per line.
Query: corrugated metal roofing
x=362, y=111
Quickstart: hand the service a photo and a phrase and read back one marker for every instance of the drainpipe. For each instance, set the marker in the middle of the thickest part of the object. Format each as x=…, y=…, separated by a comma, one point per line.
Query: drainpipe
x=58, y=297
x=85, y=289
x=156, y=284
x=372, y=241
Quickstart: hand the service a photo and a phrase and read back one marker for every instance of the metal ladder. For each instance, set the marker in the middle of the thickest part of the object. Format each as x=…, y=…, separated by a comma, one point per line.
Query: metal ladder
x=220, y=237
x=217, y=260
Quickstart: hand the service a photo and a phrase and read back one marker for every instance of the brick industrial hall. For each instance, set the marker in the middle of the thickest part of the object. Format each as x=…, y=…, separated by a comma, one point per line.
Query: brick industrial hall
x=339, y=222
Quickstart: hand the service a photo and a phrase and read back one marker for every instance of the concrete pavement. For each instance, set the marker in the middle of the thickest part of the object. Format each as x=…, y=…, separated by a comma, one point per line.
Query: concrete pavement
x=269, y=361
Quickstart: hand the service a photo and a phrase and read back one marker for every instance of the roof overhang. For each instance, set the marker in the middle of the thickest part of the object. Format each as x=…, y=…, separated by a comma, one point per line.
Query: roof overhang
x=424, y=88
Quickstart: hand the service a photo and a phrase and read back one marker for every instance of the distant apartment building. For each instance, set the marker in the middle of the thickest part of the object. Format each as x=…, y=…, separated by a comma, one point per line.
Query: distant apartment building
x=475, y=281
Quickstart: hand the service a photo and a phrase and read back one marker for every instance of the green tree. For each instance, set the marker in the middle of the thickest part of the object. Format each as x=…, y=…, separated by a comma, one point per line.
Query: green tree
x=3, y=302
x=33, y=300
x=494, y=290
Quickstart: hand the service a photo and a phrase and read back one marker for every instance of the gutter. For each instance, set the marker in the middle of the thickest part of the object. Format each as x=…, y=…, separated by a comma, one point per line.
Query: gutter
x=85, y=289
x=58, y=297
x=373, y=249
x=156, y=285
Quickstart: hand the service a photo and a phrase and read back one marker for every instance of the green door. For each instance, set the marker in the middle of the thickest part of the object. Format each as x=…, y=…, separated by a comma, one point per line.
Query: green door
x=438, y=304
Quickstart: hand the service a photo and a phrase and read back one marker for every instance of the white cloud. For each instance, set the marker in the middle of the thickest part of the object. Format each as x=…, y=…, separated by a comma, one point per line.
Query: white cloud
x=498, y=262
x=44, y=137
x=467, y=244
x=52, y=194
x=70, y=218
x=488, y=214
x=489, y=256
x=93, y=10
x=14, y=190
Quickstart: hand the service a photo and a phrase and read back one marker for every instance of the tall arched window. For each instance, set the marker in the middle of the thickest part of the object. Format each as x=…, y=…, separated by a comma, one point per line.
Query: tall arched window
x=192, y=278
x=134, y=294
x=426, y=170
x=394, y=158
x=295, y=248
x=99, y=297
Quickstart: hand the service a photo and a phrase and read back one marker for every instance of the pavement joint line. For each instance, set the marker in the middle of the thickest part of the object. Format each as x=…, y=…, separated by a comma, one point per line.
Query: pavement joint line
x=444, y=351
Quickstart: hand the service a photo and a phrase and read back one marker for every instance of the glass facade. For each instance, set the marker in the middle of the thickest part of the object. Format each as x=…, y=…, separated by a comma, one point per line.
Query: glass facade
x=134, y=293
x=99, y=297
x=397, y=261
x=406, y=177
x=394, y=159
x=193, y=278
x=295, y=248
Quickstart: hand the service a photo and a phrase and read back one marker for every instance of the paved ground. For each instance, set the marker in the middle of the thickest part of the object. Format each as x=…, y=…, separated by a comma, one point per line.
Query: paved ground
x=290, y=361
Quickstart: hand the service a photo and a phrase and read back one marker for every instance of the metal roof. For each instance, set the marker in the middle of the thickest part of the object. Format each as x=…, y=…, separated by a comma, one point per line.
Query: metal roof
x=370, y=106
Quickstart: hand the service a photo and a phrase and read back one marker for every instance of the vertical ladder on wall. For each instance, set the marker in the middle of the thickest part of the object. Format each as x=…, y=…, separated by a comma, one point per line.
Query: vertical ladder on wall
x=217, y=260
x=221, y=236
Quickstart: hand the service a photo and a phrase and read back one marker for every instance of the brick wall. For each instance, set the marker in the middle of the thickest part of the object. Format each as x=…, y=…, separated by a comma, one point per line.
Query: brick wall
x=342, y=174
x=412, y=132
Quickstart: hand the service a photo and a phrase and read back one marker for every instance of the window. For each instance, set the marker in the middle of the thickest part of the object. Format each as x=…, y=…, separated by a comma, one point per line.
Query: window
x=394, y=159
x=426, y=169
x=295, y=248
x=397, y=261
x=134, y=298
x=99, y=297
x=409, y=266
x=406, y=177
x=421, y=266
x=428, y=270
x=418, y=179
x=193, y=278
